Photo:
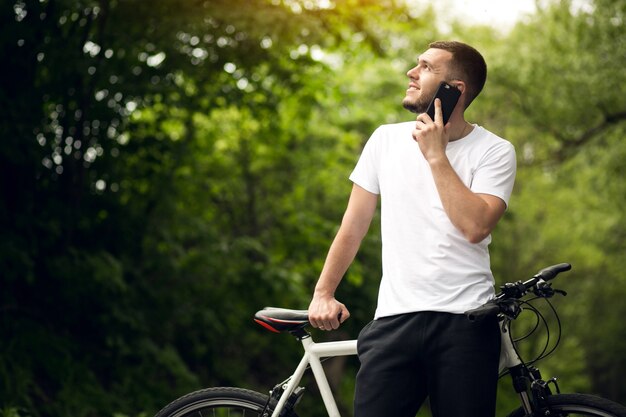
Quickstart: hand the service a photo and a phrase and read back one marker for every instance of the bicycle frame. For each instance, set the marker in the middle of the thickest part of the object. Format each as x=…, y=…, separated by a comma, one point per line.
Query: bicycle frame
x=313, y=352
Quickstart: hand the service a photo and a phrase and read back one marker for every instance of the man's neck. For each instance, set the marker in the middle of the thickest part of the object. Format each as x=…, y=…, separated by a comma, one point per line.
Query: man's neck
x=459, y=130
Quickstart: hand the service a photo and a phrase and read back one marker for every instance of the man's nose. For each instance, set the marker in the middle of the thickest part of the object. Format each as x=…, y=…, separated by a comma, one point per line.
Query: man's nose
x=413, y=72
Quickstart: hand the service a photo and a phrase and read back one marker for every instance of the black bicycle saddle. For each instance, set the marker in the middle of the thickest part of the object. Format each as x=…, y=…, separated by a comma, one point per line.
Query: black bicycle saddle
x=280, y=320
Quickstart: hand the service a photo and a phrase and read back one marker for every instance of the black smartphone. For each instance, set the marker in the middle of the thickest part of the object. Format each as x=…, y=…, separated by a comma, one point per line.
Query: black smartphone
x=449, y=96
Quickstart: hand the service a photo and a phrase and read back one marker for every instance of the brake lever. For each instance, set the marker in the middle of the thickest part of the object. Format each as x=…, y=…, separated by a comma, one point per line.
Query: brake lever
x=544, y=289
x=510, y=308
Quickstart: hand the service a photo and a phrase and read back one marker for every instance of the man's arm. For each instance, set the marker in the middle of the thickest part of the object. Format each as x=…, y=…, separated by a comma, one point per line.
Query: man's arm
x=475, y=215
x=325, y=311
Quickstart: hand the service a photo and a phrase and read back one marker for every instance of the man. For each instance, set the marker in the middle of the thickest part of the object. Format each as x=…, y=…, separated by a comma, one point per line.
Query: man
x=443, y=190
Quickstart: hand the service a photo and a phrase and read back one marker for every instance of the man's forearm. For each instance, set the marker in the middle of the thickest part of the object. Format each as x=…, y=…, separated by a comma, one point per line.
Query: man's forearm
x=474, y=215
x=325, y=312
x=354, y=226
x=340, y=256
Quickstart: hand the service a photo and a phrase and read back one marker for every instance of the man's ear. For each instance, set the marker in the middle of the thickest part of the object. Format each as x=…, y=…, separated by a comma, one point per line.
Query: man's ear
x=459, y=85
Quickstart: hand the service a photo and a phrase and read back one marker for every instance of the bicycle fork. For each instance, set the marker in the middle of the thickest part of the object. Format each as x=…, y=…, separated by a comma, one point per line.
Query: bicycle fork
x=527, y=381
x=511, y=360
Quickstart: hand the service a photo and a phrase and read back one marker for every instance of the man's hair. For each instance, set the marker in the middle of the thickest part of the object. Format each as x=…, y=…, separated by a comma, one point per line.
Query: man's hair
x=467, y=65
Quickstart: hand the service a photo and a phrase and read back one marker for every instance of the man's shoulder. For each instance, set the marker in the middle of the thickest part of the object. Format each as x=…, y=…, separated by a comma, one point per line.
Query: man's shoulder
x=388, y=134
x=490, y=139
x=396, y=127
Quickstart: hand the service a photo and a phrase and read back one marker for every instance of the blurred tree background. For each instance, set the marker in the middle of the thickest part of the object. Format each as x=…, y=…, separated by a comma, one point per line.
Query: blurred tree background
x=168, y=168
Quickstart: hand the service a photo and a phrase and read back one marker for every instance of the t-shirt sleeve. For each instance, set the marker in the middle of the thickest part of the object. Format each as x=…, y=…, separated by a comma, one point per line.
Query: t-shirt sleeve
x=496, y=173
x=365, y=173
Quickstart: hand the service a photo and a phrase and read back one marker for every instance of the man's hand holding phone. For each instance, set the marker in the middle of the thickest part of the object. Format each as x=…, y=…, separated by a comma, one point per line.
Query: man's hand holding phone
x=430, y=132
x=431, y=135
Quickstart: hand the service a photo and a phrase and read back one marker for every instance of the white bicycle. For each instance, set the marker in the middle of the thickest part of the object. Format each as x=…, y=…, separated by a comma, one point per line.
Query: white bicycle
x=536, y=396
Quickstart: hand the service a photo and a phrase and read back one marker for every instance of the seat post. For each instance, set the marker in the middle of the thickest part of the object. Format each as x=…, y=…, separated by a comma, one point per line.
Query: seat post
x=300, y=333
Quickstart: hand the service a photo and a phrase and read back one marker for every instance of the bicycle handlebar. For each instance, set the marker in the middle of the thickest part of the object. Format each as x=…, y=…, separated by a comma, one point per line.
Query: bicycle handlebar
x=486, y=310
x=552, y=271
x=514, y=291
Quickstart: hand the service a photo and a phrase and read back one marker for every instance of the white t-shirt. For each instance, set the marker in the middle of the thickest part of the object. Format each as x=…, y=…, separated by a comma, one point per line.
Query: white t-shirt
x=427, y=263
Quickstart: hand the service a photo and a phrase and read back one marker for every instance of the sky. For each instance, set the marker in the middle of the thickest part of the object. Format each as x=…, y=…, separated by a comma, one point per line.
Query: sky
x=498, y=13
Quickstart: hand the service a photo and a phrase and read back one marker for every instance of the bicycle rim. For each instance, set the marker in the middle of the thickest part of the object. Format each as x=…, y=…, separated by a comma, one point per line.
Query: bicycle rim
x=217, y=402
x=221, y=408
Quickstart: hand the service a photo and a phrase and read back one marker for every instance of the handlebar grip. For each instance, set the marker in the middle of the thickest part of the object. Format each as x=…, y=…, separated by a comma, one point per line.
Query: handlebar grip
x=552, y=271
x=489, y=309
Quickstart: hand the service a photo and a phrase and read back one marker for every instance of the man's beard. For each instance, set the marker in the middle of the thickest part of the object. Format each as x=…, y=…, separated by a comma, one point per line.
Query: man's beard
x=416, y=105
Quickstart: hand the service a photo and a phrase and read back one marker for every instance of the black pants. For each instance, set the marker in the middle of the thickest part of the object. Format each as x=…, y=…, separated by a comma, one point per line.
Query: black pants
x=408, y=357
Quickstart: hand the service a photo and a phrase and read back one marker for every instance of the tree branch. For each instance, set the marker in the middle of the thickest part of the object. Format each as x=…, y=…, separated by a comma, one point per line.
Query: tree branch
x=572, y=145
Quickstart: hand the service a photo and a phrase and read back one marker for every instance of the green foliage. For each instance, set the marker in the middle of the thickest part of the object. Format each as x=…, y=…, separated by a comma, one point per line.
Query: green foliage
x=169, y=168
x=567, y=121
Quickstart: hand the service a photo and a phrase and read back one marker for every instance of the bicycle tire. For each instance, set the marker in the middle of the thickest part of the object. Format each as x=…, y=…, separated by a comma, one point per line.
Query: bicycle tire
x=218, y=402
x=573, y=405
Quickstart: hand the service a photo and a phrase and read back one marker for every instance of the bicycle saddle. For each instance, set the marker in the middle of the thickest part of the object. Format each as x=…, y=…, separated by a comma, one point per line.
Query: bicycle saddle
x=280, y=320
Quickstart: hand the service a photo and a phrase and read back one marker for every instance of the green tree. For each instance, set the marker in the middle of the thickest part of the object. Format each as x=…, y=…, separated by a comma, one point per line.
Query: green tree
x=558, y=77
x=150, y=174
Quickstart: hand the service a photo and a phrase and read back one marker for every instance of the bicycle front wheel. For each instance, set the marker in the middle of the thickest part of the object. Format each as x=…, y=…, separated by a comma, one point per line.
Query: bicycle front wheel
x=218, y=402
x=573, y=405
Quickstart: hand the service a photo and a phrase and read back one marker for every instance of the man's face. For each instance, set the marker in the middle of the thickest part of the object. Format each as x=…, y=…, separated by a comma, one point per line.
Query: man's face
x=424, y=78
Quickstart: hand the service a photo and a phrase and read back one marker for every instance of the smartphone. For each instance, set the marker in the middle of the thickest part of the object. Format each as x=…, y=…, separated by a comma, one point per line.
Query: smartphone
x=449, y=96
